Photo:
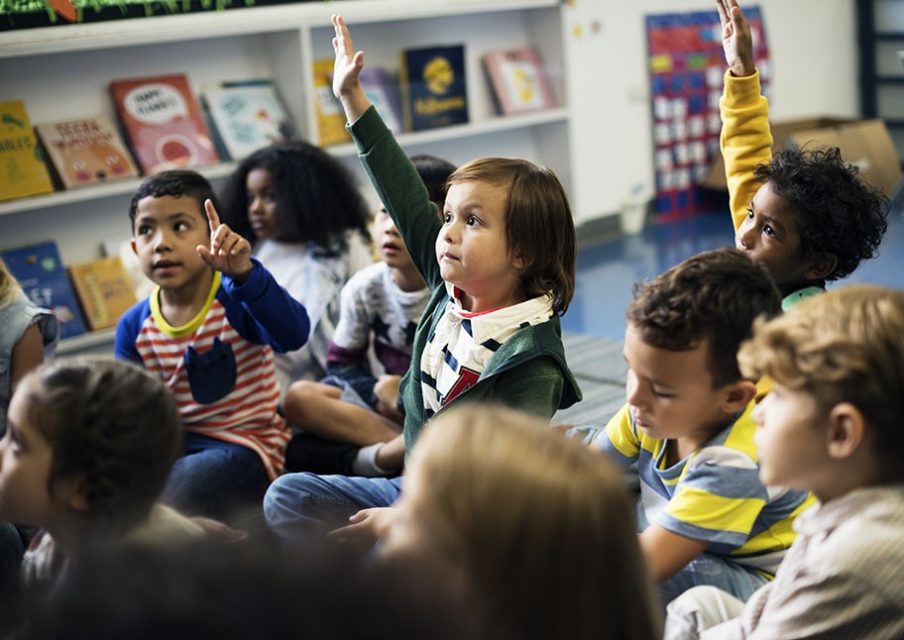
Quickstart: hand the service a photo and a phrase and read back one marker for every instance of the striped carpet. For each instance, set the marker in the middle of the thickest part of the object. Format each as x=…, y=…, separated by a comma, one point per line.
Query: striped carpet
x=599, y=368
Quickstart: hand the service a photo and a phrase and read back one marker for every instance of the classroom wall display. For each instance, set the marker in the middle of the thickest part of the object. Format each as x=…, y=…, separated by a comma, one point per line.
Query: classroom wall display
x=686, y=68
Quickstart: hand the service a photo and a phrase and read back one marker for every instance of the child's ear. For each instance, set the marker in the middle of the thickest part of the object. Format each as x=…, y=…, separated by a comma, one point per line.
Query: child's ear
x=847, y=431
x=821, y=266
x=134, y=246
x=70, y=492
x=738, y=395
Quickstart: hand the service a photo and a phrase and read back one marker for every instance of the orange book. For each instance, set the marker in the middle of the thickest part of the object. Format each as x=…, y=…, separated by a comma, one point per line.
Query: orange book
x=86, y=151
x=104, y=290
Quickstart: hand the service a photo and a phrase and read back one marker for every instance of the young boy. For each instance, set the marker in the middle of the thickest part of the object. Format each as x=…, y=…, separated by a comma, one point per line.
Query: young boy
x=705, y=516
x=831, y=425
x=804, y=215
x=209, y=330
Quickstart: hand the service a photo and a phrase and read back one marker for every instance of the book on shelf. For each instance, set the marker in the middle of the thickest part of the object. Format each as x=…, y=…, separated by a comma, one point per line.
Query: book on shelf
x=22, y=169
x=245, y=116
x=163, y=123
x=519, y=80
x=433, y=86
x=104, y=290
x=330, y=116
x=383, y=91
x=122, y=248
x=41, y=274
x=85, y=151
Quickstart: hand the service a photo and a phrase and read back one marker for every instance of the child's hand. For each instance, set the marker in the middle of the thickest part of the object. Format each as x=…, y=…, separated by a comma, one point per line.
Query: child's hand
x=367, y=526
x=346, y=85
x=387, y=391
x=229, y=252
x=736, y=39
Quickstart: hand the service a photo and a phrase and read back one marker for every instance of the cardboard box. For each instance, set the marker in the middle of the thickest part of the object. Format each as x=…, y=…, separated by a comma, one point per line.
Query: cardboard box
x=865, y=143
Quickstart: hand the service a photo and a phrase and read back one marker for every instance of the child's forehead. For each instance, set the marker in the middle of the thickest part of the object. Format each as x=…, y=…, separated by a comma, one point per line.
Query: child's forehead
x=168, y=206
x=685, y=367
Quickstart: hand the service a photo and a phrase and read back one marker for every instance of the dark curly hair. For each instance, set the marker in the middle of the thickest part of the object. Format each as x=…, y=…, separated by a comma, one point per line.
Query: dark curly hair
x=113, y=428
x=716, y=295
x=317, y=199
x=836, y=212
x=178, y=183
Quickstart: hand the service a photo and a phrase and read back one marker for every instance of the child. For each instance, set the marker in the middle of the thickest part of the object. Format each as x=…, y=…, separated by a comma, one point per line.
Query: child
x=87, y=451
x=500, y=266
x=211, y=338
x=804, y=215
x=831, y=425
x=705, y=516
x=530, y=525
x=303, y=213
x=381, y=306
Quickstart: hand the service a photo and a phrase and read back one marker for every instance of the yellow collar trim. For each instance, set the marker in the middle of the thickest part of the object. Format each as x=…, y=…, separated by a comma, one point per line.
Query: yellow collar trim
x=192, y=325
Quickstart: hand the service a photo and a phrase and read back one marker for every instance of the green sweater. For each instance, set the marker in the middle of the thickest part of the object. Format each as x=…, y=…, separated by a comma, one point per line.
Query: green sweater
x=528, y=371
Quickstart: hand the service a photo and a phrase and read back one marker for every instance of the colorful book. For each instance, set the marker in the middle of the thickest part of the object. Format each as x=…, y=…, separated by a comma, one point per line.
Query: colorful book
x=104, y=290
x=86, y=151
x=43, y=278
x=163, y=123
x=22, y=169
x=246, y=116
x=519, y=81
x=433, y=84
x=330, y=116
x=382, y=89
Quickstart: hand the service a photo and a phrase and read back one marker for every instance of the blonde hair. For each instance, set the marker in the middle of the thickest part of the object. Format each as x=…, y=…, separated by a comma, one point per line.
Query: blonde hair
x=844, y=346
x=543, y=527
x=9, y=286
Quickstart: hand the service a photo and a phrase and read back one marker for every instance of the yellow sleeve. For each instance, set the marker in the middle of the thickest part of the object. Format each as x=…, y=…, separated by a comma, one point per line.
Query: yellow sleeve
x=619, y=439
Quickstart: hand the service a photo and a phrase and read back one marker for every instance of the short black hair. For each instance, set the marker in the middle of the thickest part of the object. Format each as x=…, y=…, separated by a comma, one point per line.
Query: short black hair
x=836, y=212
x=434, y=173
x=178, y=183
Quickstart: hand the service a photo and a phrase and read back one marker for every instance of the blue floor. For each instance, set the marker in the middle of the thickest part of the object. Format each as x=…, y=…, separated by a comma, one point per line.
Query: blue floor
x=607, y=271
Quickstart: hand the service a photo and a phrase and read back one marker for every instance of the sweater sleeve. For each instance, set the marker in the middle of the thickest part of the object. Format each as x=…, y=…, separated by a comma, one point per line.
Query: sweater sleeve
x=746, y=140
x=536, y=389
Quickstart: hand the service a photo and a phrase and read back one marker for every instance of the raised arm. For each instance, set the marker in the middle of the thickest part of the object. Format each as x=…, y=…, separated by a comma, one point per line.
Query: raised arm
x=346, y=84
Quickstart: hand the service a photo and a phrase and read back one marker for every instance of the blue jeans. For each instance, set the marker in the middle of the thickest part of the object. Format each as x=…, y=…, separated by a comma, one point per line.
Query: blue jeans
x=215, y=478
x=306, y=504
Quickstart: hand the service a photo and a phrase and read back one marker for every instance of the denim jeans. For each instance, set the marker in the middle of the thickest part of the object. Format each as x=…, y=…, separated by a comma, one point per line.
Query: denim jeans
x=306, y=504
x=215, y=478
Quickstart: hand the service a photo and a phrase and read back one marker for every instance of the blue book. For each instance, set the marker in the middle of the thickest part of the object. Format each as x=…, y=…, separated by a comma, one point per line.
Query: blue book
x=40, y=272
x=433, y=80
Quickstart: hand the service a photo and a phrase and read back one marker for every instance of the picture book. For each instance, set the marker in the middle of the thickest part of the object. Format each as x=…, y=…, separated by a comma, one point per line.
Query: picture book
x=22, y=169
x=163, y=123
x=330, y=116
x=246, y=116
x=104, y=290
x=433, y=85
x=40, y=272
x=519, y=81
x=382, y=89
x=85, y=151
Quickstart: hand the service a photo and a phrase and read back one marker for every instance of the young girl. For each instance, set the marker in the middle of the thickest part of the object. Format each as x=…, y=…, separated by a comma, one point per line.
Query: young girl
x=500, y=265
x=549, y=554
x=302, y=212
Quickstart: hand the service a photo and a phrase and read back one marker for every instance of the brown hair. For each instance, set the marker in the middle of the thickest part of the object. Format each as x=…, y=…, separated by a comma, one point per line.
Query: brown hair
x=113, y=428
x=542, y=526
x=9, y=286
x=844, y=346
x=713, y=295
x=539, y=228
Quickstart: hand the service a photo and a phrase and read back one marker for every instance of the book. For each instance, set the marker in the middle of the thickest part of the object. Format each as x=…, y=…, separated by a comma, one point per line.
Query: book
x=246, y=116
x=163, y=123
x=104, y=290
x=85, y=151
x=433, y=85
x=40, y=273
x=382, y=89
x=22, y=169
x=519, y=81
x=122, y=248
x=330, y=116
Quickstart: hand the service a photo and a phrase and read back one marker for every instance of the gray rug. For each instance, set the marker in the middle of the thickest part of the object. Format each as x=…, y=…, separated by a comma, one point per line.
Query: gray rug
x=599, y=368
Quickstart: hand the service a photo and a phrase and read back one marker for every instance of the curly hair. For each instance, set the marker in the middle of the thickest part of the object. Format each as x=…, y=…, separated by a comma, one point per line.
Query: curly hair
x=716, y=295
x=113, y=428
x=846, y=345
x=178, y=183
x=836, y=212
x=317, y=199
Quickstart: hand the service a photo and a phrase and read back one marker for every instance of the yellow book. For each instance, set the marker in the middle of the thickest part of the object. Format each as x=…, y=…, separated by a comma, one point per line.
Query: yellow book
x=22, y=169
x=104, y=290
x=330, y=116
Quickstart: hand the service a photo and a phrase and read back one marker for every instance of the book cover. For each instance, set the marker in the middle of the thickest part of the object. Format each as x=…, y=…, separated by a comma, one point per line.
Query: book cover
x=86, y=151
x=330, y=116
x=519, y=81
x=382, y=89
x=246, y=116
x=104, y=290
x=163, y=123
x=433, y=84
x=22, y=169
x=40, y=272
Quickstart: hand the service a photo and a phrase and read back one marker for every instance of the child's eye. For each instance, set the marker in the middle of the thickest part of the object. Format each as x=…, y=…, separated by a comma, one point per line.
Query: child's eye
x=143, y=230
x=180, y=226
x=270, y=197
x=661, y=394
x=750, y=213
x=768, y=231
x=447, y=218
x=472, y=220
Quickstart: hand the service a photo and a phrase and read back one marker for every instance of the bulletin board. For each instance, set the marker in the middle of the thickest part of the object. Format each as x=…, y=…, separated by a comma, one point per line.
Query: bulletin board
x=686, y=66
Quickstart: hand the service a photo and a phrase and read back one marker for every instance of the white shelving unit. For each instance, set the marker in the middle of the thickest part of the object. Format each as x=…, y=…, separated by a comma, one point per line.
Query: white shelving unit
x=65, y=71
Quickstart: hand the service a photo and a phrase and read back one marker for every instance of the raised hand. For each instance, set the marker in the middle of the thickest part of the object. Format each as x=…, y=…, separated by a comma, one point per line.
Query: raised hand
x=229, y=252
x=346, y=71
x=736, y=39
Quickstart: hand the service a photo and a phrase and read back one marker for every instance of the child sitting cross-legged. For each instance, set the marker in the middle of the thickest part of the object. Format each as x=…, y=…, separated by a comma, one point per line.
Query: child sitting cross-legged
x=705, y=515
x=830, y=425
